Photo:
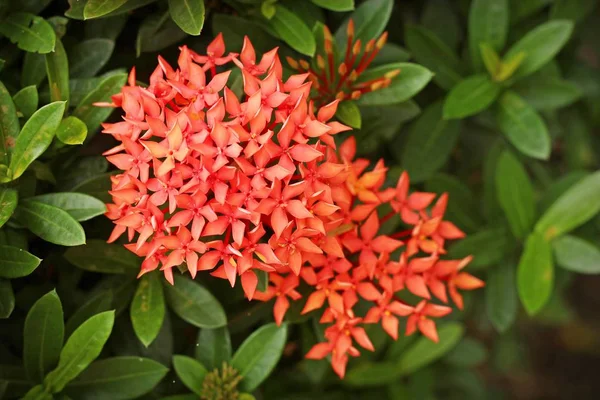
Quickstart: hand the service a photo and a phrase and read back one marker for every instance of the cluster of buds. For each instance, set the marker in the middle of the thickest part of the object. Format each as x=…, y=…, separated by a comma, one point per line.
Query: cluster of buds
x=213, y=183
x=342, y=82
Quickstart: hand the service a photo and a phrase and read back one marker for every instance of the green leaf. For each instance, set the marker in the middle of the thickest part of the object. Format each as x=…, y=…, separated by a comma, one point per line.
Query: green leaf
x=35, y=137
x=349, y=114
x=157, y=32
x=470, y=97
x=8, y=203
x=57, y=69
x=93, y=116
x=50, y=223
x=423, y=352
x=577, y=255
x=79, y=206
x=71, y=131
x=99, y=302
x=15, y=377
x=263, y=280
x=43, y=336
x=84, y=345
x=574, y=208
x=370, y=19
x=194, y=303
x=372, y=374
x=16, y=262
x=535, y=273
x=26, y=100
x=575, y=10
x=117, y=378
x=523, y=127
x=89, y=56
x=234, y=28
x=293, y=31
x=491, y=60
x=34, y=69
x=335, y=5
x=430, y=141
x=38, y=393
x=467, y=353
x=501, y=301
x=9, y=124
x=97, y=186
x=259, y=354
x=31, y=33
x=148, y=308
x=540, y=45
x=548, y=93
x=433, y=53
x=521, y=9
x=99, y=256
x=488, y=23
x=515, y=194
x=462, y=210
x=78, y=6
x=188, y=15
x=213, y=347
x=191, y=372
x=99, y=8
x=7, y=299
x=488, y=247
x=411, y=80
x=439, y=17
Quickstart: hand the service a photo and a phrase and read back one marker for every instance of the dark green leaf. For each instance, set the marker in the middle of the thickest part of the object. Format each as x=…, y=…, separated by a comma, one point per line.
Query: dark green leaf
x=31, y=33
x=99, y=256
x=488, y=247
x=8, y=203
x=466, y=354
x=293, y=31
x=191, y=372
x=35, y=137
x=7, y=299
x=50, y=223
x=188, y=15
x=71, y=131
x=157, y=32
x=213, y=347
x=38, y=393
x=470, y=97
x=34, y=69
x=578, y=140
x=433, y=53
x=430, y=141
x=97, y=187
x=259, y=354
x=423, y=352
x=26, y=100
x=535, y=273
x=488, y=23
x=335, y=5
x=577, y=255
x=57, y=69
x=148, y=308
x=501, y=300
x=99, y=302
x=521, y=9
x=89, y=56
x=372, y=374
x=575, y=207
x=43, y=336
x=9, y=124
x=548, y=93
x=462, y=209
x=16, y=262
x=575, y=10
x=349, y=114
x=117, y=378
x=515, y=194
x=78, y=6
x=16, y=380
x=540, y=45
x=263, y=280
x=370, y=19
x=440, y=18
x=523, y=126
x=391, y=53
x=411, y=80
x=99, y=8
x=84, y=345
x=194, y=303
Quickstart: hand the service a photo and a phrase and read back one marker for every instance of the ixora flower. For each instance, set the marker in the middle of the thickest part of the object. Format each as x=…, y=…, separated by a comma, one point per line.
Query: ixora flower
x=238, y=187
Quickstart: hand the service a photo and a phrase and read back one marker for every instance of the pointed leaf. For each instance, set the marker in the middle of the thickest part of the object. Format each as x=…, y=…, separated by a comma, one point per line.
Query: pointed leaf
x=100, y=302
x=7, y=298
x=213, y=347
x=50, y=223
x=9, y=125
x=370, y=19
x=98, y=8
x=80, y=206
x=501, y=299
x=293, y=31
x=148, y=308
x=99, y=256
x=31, y=33
x=89, y=56
x=191, y=372
x=488, y=23
x=57, y=69
x=16, y=263
x=335, y=5
x=535, y=273
x=577, y=255
x=26, y=100
x=548, y=93
x=349, y=114
x=411, y=80
x=8, y=203
x=470, y=97
x=188, y=15
x=487, y=246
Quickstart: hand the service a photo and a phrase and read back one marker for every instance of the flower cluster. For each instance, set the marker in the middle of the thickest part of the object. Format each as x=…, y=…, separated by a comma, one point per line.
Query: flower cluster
x=235, y=187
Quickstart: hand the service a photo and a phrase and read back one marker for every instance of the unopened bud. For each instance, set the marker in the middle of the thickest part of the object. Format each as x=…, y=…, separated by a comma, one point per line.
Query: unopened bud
x=355, y=95
x=353, y=76
x=382, y=39
x=377, y=85
x=304, y=64
x=392, y=74
x=342, y=69
x=356, y=47
x=350, y=28
x=340, y=96
x=320, y=61
x=370, y=46
x=293, y=63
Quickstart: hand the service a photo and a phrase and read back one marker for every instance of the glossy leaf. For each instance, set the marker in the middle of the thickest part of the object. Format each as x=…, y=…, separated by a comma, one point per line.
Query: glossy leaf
x=515, y=194
x=99, y=256
x=191, y=372
x=487, y=246
x=84, y=345
x=293, y=31
x=259, y=354
x=540, y=45
x=370, y=19
x=34, y=69
x=577, y=255
x=411, y=80
x=335, y=5
x=8, y=203
x=548, y=93
x=535, y=273
x=117, y=378
x=43, y=336
x=89, y=57
x=35, y=137
x=488, y=23
x=30, y=32
x=71, y=131
x=97, y=303
x=7, y=298
x=157, y=32
x=16, y=262
x=57, y=70
x=470, y=97
x=501, y=301
x=213, y=347
x=78, y=6
x=188, y=15
x=523, y=126
x=50, y=223
x=148, y=308
x=9, y=124
x=575, y=207
x=99, y=8
x=26, y=100
x=349, y=114
x=80, y=206
x=194, y=303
